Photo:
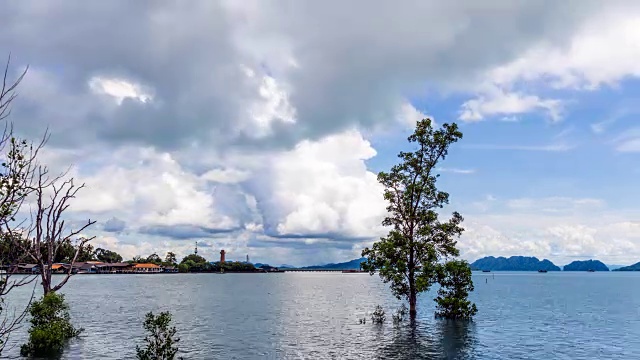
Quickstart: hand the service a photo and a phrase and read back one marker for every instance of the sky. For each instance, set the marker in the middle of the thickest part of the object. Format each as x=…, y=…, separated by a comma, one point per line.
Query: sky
x=258, y=127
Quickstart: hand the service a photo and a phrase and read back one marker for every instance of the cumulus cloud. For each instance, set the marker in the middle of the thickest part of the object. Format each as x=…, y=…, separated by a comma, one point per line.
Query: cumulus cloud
x=323, y=188
x=602, y=51
x=150, y=187
x=561, y=229
x=114, y=225
x=240, y=124
x=245, y=64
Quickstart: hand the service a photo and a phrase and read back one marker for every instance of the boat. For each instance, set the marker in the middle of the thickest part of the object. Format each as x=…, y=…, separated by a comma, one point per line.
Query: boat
x=486, y=270
x=542, y=271
x=353, y=271
x=591, y=270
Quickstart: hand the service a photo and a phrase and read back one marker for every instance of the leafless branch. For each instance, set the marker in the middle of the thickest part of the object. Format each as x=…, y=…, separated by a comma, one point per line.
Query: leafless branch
x=49, y=230
x=17, y=165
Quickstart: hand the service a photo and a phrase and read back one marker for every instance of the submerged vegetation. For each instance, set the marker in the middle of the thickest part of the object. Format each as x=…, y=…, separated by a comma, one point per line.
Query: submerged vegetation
x=455, y=282
x=50, y=327
x=161, y=341
x=378, y=316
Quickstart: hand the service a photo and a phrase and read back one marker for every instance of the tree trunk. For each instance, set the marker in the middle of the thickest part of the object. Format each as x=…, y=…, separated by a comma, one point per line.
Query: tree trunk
x=412, y=303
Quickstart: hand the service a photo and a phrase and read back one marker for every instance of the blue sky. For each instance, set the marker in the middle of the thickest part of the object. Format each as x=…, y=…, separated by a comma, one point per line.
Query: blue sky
x=260, y=131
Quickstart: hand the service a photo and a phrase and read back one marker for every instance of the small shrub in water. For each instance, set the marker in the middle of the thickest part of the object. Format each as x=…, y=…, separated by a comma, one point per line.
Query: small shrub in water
x=398, y=317
x=50, y=327
x=378, y=316
x=161, y=339
x=362, y=321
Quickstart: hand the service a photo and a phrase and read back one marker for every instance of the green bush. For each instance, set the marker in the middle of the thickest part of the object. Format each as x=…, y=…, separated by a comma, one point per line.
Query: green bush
x=455, y=284
x=161, y=339
x=50, y=327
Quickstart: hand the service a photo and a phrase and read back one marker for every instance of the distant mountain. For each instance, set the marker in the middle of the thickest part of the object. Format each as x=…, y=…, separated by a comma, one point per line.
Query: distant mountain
x=614, y=267
x=349, y=265
x=586, y=265
x=514, y=263
x=634, y=267
x=286, y=266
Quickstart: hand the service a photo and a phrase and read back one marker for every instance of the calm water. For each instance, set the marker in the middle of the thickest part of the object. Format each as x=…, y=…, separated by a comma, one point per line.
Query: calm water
x=315, y=316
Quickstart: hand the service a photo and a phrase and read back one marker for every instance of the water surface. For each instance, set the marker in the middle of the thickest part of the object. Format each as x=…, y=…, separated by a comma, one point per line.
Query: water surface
x=315, y=316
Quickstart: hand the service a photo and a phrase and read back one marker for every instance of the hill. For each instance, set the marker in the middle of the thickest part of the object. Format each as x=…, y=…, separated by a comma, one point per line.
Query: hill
x=586, y=265
x=634, y=267
x=349, y=265
x=614, y=267
x=514, y=263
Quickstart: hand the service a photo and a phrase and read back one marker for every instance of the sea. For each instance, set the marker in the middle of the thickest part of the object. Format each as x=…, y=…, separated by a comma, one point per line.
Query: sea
x=521, y=315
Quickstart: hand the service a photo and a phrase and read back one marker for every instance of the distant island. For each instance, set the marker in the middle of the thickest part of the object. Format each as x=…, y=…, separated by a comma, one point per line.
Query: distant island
x=514, y=263
x=634, y=267
x=586, y=265
x=349, y=265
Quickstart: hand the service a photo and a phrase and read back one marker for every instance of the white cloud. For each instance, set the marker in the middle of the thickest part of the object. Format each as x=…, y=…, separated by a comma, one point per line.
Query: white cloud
x=311, y=73
x=150, y=188
x=629, y=145
x=561, y=229
x=554, y=204
x=272, y=105
x=499, y=102
x=603, y=51
x=119, y=89
x=408, y=115
x=628, y=141
x=457, y=171
x=227, y=175
x=324, y=187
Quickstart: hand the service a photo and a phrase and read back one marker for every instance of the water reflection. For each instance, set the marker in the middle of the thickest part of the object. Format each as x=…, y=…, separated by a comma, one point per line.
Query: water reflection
x=440, y=339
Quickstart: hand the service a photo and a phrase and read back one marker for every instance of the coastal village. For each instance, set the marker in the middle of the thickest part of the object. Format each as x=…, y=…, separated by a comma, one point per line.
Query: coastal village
x=99, y=267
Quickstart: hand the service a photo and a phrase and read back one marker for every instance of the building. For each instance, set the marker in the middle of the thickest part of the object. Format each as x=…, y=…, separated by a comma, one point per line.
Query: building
x=222, y=253
x=59, y=268
x=170, y=269
x=146, y=268
x=114, y=268
x=27, y=269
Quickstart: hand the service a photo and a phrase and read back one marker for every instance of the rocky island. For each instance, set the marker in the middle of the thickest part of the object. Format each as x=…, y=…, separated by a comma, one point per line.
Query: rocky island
x=514, y=263
x=586, y=265
x=634, y=267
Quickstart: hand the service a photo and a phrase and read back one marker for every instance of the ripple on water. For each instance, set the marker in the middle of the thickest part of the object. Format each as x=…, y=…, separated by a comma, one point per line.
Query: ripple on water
x=315, y=316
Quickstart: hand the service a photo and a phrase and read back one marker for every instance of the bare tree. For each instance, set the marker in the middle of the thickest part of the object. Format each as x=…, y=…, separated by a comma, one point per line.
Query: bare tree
x=49, y=231
x=17, y=169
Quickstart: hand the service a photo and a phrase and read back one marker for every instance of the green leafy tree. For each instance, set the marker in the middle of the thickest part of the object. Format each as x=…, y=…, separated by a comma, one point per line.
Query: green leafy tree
x=107, y=256
x=50, y=327
x=197, y=259
x=170, y=258
x=455, y=282
x=232, y=266
x=407, y=257
x=154, y=259
x=183, y=268
x=138, y=259
x=161, y=340
x=66, y=252
x=86, y=253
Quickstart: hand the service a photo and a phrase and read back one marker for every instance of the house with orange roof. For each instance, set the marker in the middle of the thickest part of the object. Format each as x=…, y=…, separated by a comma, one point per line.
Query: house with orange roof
x=146, y=268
